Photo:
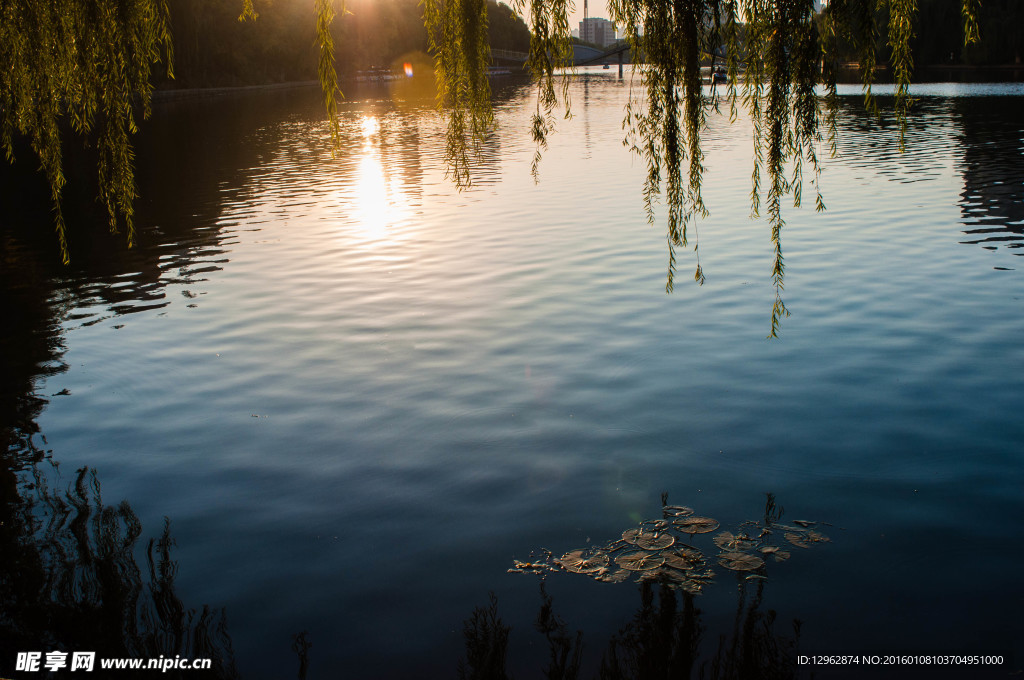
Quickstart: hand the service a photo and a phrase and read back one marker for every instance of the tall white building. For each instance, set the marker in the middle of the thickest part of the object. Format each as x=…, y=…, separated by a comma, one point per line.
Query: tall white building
x=598, y=31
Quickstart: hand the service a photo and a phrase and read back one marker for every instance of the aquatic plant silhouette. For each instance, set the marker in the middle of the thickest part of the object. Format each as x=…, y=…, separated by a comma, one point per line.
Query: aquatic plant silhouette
x=69, y=581
x=486, y=645
x=661, y=641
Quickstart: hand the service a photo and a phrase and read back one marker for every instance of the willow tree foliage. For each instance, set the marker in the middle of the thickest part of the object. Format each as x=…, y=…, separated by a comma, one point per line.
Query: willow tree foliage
x=776, y=53
x=87, y=64
x=83, y=63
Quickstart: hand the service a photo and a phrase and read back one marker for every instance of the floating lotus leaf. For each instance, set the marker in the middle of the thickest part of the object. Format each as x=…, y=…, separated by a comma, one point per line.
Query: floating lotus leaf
x=580, y=563
x=618, y=545
x=677, y=511
x=805, y=540
x=528, y=567
x=803, y=523
x=617, y=576
x=693, y=587
x=738, y=561
x=727, y=541
x=665, y=575
x=799, y=540
x=640, y=561
x=657, y=524
x=773, y=550
x=654, y=540
x=629, y=535
x=696, y=525
x=689, y=551
x=683, y=558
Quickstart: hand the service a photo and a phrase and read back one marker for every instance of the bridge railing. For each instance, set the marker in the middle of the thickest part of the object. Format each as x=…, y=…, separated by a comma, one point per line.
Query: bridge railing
x=511, y=55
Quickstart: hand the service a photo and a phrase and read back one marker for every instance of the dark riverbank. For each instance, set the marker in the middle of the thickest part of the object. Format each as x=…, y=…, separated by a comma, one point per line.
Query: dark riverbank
x=942, y=73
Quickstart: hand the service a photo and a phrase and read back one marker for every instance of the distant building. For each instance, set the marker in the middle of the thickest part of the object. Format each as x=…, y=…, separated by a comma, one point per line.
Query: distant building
x=598, y=31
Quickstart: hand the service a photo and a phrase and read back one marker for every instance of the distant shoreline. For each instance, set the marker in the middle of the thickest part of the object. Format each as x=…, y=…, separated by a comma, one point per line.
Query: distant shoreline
x=932, y=73
x=165, y=95
x=196, y=92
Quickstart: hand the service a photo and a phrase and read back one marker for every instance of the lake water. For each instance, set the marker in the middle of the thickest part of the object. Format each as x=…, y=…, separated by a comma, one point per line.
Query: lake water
x=357, y=394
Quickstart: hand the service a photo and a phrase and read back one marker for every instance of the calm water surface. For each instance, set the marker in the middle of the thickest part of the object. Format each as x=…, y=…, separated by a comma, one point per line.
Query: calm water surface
x=357, y=394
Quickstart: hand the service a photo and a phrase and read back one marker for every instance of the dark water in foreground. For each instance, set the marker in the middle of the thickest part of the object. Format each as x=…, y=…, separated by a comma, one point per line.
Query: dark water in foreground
x=356, y=395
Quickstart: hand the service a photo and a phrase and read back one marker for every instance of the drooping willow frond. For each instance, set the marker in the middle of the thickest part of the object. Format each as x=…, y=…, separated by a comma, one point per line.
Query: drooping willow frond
x=673, y=37
x=457, y=31
x=550, y=51
x=774, y=52
x=326, y=71
x=87, y=62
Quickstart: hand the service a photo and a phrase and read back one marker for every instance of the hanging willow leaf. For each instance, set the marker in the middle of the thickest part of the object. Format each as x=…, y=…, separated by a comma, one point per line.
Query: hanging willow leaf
x=82, y=65
x=696, y=525
x=458, y=40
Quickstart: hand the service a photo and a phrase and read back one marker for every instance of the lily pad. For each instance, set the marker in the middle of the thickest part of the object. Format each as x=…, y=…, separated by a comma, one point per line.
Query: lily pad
x=738, y=561
x=651, y=540
x=774, y=551
x=665, y=575
x=804, y=523
x=656, y=524
x=806, y=540
x=629, y=535
x=579, y=562
x=677, y=511
x=683, y=558
x=727, y=541
x=640, y=561
x=617, y=576
x=696, y=525
x=693, y=587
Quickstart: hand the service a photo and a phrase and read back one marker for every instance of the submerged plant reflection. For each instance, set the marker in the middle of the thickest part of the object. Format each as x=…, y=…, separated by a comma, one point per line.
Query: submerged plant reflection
x=70, y=581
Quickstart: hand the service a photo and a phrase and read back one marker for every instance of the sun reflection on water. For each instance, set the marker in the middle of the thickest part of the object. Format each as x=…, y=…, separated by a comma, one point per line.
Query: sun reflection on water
x=369, y=126
x=381, y=202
